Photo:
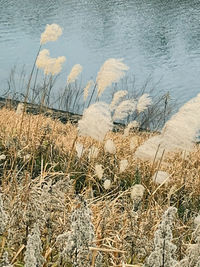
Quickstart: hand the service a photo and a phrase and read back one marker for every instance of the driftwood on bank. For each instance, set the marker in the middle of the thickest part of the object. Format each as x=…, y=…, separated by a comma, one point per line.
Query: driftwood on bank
x=61, y=115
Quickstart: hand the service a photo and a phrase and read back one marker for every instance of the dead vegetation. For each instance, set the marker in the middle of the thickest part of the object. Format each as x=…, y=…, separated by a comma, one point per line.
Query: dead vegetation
x=41, y=177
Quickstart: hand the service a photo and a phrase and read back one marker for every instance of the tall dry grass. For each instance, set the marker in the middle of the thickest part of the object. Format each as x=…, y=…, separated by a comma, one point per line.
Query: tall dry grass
x=35, y=187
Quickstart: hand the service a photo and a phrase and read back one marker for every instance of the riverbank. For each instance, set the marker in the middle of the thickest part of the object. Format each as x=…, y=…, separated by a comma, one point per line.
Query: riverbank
x=57, y=180
x=56, y=114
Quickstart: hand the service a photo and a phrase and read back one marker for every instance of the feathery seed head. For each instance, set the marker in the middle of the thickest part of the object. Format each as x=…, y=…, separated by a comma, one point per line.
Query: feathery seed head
x=110, y=146
x=107, y=184
x=178, y=133
x=51, y=33
x=117, y=97
x=123, y=165
x=153, y=146
x=87, y=87
x=76, y=70
x=143, y=102
x=96, y=121
x=49, y=65
x=125, y=108
x=111, y=71
x=137, y=192
x=99, y=171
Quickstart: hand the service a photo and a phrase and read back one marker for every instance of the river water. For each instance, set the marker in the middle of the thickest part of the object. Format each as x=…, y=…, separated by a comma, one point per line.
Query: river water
x=155, y=38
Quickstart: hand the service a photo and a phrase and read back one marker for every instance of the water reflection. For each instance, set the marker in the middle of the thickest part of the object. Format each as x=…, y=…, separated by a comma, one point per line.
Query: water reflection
x=155, y=37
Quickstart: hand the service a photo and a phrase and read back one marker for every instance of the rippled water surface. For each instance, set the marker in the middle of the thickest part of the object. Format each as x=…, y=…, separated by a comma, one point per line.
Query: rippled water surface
x=155, y=37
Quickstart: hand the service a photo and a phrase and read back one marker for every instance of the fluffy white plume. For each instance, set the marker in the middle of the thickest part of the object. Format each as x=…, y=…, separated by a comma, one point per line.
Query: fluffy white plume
x=117, y=98
x=111, y=71
x=79, y=149
x=133, y=124
x=51, y=33
x=107, y=184
x=137, y=193
x=125, y=108
x=143, y=102
x=96, y=121
x=99, y=171
x=123, y=165
x=179, y=133
x=86, y=89
x=75, y=71
x=160, y=177
x=110, y=146
x=48, y=64
x=93, y=153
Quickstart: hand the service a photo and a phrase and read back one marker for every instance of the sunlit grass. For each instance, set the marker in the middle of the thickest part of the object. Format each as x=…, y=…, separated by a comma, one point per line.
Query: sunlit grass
x=40, y=156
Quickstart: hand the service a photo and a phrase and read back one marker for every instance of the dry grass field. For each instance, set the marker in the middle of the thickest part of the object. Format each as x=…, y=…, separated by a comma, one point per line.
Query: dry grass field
x=45, y=182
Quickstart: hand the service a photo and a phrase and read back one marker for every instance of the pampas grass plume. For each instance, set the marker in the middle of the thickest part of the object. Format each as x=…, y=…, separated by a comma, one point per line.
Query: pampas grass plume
x=117, y=97
x=111, y=71
x=107, y=184
x=76, y=70
x=123, y=165
x=110, y=146
x=51, y=33
x=137, y=192
x=125, y=108
x=87, y=87
x=96, y=121
x=178, y=134
x=143, y=102
x=99, y=171
x=49, y=65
